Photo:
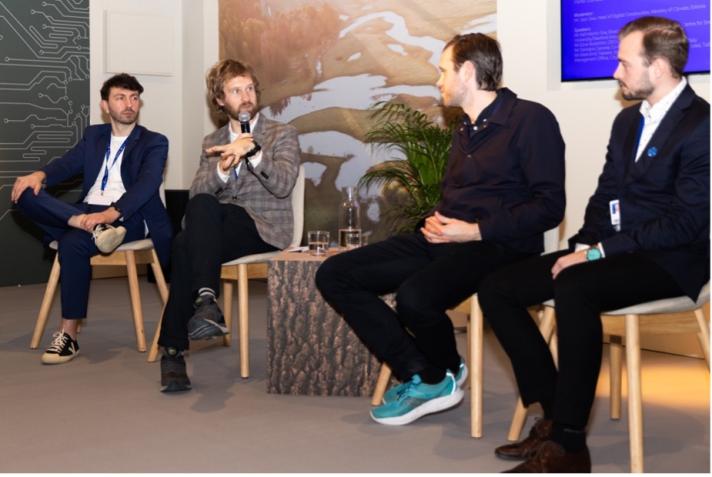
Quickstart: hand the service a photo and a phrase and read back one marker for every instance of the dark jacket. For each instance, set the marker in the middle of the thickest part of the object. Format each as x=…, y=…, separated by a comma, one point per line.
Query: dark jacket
x=141, y=171
x=509, y=176
x=664, y=196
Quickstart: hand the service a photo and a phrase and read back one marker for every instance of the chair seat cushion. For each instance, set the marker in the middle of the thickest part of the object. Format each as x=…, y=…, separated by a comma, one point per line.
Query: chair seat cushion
x=143, y=244
x=256, y=257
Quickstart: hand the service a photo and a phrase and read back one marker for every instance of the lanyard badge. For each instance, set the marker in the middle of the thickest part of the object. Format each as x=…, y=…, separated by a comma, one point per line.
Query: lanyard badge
x=105, y=178
x=614, y=208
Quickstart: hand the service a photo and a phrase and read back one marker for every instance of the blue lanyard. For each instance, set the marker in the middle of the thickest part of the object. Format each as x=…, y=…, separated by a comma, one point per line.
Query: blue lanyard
x=105, y=179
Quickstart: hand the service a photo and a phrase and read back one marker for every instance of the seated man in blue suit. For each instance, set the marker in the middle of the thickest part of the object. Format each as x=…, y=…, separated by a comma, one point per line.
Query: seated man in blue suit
x=503, y=187
x=122, y=166
x=645, y=237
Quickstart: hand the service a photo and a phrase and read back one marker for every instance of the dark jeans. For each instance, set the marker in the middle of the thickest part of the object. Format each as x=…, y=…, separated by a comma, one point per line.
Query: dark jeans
x=428, y=279
x=76, y=247
x=214, y=233
x=581, y=292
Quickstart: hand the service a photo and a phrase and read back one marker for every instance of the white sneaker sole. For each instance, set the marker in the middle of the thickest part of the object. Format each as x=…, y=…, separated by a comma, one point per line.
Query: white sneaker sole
x=430, y=407
x=52, y=358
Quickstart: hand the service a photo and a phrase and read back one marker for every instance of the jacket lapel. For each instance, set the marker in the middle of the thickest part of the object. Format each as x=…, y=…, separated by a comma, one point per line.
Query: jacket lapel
x=668, y=126
x=131, y=143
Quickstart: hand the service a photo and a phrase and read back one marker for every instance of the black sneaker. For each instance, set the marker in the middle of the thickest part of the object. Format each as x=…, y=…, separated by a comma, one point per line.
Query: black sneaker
x=207, y=320
x=173, y=375
x=62, y=349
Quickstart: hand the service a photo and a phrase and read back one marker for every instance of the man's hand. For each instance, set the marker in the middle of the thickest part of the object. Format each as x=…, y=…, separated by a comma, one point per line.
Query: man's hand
x=33, y=181
x=441, y=229
x=230, y=154
x=108, y=216
x=568, y=260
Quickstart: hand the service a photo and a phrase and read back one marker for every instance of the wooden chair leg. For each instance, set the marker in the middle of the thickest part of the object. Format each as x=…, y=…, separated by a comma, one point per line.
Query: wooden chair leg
x=135, y=300
x=384, y=377
x=476, y=371
x=227, y=310
x=160, y=279
x=615, y=373
x=243, y=305
x=704, y=334
x=46, y=305
x=635, y=405
x=153, y=352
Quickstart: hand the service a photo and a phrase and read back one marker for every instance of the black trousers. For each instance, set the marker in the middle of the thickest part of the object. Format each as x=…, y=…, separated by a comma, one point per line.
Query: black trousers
x=428, y=279
x=214, y=233
x=581, y=293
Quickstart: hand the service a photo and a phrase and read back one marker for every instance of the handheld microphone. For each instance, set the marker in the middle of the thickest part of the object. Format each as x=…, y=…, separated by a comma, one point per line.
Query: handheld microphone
x=244, y=118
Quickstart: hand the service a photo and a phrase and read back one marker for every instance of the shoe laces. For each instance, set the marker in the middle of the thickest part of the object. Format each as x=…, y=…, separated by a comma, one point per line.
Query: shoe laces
x=99, y=228
x=407, y=386
x=59, y=338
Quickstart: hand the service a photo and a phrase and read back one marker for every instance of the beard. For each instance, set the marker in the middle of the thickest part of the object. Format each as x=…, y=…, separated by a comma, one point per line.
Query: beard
x=233, y=113
x=644, y=90
x=127, y=116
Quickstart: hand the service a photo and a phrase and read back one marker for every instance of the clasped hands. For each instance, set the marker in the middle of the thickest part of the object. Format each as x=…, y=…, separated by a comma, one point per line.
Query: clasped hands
x=441, y=229
x=232, y=153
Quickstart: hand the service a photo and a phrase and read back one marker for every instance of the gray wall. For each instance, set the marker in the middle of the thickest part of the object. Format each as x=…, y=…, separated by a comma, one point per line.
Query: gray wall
x=44, y=108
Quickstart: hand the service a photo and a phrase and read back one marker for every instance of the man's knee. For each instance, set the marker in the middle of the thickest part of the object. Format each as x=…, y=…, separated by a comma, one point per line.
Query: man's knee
x=200, y=203
x=329, y=276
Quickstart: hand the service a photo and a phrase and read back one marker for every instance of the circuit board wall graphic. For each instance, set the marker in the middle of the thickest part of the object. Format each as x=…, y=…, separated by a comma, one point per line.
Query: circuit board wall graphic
x=44, y=109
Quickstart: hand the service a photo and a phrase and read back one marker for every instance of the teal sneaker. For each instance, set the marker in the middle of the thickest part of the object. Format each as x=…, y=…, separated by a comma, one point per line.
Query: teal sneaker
x=393, y=393
x=419, y=399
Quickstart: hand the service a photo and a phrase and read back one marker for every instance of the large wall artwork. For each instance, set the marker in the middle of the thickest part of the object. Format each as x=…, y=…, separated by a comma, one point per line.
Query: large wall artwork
x=323, y=64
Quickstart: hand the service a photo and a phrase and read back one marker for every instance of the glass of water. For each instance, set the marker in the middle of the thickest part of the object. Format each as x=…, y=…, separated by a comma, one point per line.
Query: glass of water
x=318, y=241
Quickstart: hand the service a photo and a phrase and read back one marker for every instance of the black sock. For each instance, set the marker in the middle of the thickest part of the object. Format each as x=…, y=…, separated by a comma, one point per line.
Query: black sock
x=548, y=407
x=205, y=292
x=571, y=438
x=431, y=375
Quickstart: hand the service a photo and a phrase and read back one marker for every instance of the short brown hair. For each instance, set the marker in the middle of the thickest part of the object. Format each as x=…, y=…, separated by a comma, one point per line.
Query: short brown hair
x=483, y=51
x=222, y=72
x=662, y=38
x=121, y=80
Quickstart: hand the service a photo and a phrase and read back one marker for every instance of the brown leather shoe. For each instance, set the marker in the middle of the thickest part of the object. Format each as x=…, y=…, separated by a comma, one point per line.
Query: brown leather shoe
x=540, y=432
x=552, y=458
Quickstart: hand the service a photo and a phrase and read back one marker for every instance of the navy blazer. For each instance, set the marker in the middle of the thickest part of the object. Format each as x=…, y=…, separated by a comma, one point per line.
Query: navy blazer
x=664, y=196
x=141, y=171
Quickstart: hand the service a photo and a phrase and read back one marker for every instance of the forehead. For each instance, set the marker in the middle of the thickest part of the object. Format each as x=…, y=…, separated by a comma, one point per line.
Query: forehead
x=446, y=58
x=117, y=91
x=238, y=82
x=631, y=45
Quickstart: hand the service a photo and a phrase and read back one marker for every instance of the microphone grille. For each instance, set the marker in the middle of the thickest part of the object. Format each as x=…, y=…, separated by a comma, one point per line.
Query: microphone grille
x=244, y=117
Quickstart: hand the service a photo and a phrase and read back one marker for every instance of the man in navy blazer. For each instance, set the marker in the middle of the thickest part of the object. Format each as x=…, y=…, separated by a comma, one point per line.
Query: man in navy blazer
x=502, y=189
x=122, y=165
x=645, y=237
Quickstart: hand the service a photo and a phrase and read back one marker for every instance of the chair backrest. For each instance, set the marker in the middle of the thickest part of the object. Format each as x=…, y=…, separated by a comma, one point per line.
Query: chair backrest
x=298, y=209
x=551, y=240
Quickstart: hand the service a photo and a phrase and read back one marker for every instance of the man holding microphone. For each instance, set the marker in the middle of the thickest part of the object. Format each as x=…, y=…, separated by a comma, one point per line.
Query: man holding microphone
x=239, y=205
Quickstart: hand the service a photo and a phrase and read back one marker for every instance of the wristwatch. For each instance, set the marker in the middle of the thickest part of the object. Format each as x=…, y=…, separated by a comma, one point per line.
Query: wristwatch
x=593, y=253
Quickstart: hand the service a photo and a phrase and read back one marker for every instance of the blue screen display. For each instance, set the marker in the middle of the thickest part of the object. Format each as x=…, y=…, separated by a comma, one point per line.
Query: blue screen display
x=589, y=33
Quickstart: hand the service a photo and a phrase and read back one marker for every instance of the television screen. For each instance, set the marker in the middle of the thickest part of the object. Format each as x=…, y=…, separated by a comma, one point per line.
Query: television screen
x=589, y=33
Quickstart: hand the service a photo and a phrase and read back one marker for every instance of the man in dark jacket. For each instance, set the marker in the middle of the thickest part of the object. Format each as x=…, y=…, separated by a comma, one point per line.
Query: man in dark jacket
x=122, y=165
x=645, y=237
x=503, y=187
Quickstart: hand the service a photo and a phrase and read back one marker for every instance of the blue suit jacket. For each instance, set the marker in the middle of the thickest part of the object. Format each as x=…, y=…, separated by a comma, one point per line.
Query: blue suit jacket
x=141, y=171
x=664, y=196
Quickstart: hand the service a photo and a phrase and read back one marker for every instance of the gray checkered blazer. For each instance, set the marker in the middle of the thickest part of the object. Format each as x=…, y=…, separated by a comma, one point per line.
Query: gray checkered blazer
x=265, y=195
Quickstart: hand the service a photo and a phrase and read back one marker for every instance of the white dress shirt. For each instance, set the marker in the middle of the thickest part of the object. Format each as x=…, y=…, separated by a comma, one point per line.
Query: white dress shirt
x=114, y=185
x=653, y=115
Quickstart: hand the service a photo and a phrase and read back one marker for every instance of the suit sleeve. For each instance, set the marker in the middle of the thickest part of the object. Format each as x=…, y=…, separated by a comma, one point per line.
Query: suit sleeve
x=149, y=179
x=597, y=217
x=207, y=180
x=278, y=169
x=541, y=150
x=688, y=214
x=71, y=164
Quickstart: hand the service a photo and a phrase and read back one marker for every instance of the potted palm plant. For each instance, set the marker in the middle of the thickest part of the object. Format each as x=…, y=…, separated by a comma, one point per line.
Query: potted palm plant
x=416, y=174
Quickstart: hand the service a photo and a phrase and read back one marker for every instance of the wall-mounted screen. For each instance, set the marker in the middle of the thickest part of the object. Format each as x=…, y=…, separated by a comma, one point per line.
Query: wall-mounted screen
x=589, y=33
